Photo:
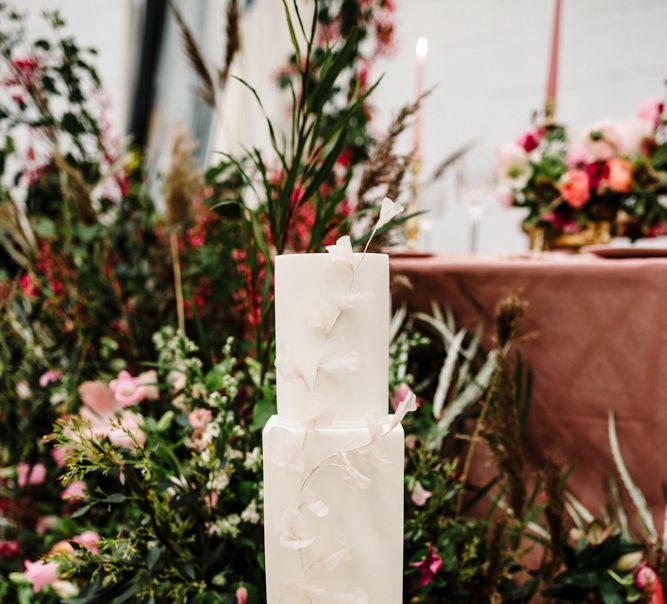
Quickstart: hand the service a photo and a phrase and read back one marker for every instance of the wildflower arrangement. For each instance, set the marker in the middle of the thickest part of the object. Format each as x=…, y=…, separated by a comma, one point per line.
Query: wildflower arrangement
x=616, y=172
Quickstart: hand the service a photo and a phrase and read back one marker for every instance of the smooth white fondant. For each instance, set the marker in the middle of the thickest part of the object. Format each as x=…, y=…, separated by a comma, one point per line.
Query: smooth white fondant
x=313, y=291
x=357, y=532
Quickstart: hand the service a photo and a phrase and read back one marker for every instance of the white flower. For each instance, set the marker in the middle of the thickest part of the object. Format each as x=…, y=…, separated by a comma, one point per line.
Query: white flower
x=322, y=418
x=513, y=165
x=287, y=454
x=287, y=366
x=299, y=592
x=23, y=390
x=353, y=474
x=253, y=459
x=335, y=553
x=346, y=363
x=342, y=251
x=351, y=300
x=227, y=527
x=420, y=495
x=250, y=514
x=294, y=532
x=310, y=500
x=388, y=210
x=408, y=404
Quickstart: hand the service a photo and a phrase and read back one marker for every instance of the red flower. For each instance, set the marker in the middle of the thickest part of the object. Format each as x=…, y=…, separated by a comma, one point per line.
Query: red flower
x=428, y=566
x=28, y=286
x=530, y=140
x=597, y=171
x=8, y=549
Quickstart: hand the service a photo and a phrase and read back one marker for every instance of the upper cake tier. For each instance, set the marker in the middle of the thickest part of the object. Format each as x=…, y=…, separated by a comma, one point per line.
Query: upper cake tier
x=332, y=335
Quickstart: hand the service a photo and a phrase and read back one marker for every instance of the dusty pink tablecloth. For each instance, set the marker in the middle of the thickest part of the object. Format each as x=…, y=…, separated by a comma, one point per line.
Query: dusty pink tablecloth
x=602, y=345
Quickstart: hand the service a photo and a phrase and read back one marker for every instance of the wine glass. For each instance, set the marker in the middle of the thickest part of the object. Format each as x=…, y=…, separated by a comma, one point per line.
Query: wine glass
x=476, y=191
x=431, y=204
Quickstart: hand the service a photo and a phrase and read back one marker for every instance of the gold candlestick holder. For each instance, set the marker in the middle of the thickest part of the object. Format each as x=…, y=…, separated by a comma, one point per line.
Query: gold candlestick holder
x=412, y=224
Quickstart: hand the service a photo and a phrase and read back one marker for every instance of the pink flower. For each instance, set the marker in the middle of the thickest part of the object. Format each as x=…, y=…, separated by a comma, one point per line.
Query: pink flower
x=52, y=375
x=420, y=495
x=9, y=549
x=199, y=418
x=241, y=595
x=89, y=540
x=574, y=187
x=30, y=475
x=400, y=392
x=576, y=156
x=651, y=110
x=602, y=140
x=98, y=397
x=148, y=385
x=428, y=567
x=45, y=524
x=23, y=390
x=619, y=178
x=58, y=454
x=504, y=196
x=40, y=573
x=530, y=140
x=646, y=579
x=76, y=490
x=28, y=286
x=126, y=389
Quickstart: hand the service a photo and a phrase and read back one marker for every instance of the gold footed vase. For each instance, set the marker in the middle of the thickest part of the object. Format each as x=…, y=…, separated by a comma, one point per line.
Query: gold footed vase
x=541, y=239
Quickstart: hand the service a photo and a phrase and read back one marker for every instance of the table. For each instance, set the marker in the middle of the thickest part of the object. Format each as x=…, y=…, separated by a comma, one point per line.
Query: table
x=601, y=344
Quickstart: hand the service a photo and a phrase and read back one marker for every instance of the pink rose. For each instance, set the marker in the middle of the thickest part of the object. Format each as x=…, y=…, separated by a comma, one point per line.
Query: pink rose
x=428, y=567
x=89, y=540
x=9, y=549
x=651, y=110
x=126, y=389
x=619, y=178
x=76, y=490
x=576, y=156
x=148, y=385
x=241, y=595
x=30, y=475
x=574, y=187
x=52, y=375
x=40, y=573
x=602, y=140
x=530, y=140
x=98, y=397
x=199, y=418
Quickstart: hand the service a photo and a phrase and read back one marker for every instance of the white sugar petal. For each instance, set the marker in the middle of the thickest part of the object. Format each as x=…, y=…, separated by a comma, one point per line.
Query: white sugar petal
x=388, y=210
x=315, y=314
x=353, y=474
x=345, y=363
x=342, y=251
x=352, y=300
x=299, y=592
x=337, y=553
x=408, y=404
x=287, y=453
x=294, y=532
x=287, y=366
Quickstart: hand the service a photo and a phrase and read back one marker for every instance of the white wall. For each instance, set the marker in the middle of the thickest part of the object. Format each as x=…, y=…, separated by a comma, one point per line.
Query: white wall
x=489, y=60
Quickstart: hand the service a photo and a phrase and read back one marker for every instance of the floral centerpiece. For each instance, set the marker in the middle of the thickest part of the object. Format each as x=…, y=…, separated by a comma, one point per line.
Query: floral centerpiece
x=612, y=181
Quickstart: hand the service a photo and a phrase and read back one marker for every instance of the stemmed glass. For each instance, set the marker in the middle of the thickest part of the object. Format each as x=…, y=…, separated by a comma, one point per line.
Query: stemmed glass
x=476, y=191
x=431, y=203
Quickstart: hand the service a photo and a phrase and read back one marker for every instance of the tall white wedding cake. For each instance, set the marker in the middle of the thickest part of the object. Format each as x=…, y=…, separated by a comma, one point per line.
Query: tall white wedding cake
x=333, y=456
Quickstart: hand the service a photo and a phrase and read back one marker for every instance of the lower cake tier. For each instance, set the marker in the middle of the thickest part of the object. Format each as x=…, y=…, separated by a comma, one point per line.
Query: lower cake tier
x=333, y=514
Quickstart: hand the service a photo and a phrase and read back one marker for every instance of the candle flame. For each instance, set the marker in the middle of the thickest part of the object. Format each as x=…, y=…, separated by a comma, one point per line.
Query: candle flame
x=422, y=47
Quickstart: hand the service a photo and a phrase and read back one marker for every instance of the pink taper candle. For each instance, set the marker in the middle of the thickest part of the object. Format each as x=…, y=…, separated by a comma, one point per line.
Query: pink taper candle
x=552, y=81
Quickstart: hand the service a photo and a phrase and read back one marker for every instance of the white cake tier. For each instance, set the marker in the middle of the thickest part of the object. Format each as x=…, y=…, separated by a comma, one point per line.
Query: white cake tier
x=352, y=523
x=344, y=368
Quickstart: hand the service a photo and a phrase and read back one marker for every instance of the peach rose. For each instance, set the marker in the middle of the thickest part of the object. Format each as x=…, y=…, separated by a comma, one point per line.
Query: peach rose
x=574, y=187
x=620, y=175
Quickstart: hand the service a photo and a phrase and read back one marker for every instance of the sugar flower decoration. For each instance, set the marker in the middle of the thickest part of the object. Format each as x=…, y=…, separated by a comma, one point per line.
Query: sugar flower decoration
x=287, y=366
x=299, y=592
x=356, y=596
x=322, y=418
x=352, y=300
x=375, y=426
x=342, y=251
x=310, y=499
x=294, y=532
x=407, y=405
x=287, y=454
x=316, y=315
x=353, y=474
x=346, y=363
x=335, y=553
x=388, y=211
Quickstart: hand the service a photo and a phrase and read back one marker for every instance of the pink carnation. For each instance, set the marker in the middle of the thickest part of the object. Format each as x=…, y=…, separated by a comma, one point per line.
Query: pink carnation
x=30, y=475
x=40, y=573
